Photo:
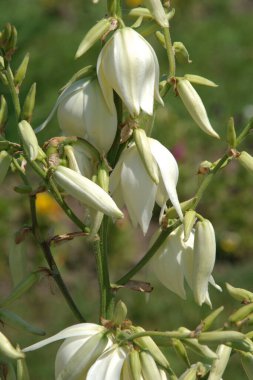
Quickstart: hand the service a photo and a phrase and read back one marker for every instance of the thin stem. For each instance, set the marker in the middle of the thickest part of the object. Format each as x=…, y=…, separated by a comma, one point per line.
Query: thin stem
x=51, y=262
x=170, y=52
x=163, y=334
x=13, y=92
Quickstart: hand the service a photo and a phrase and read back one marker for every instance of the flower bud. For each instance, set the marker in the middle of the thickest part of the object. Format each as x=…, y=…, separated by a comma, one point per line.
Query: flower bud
x=241, y=313
x=3, y=113
x=149, y=367
x=195, y=106
x=203, y=259
x=220, y=337
x=5, y=161
x=231, y=134
x=120, y=313
x=29, y=140
x=219, y=365
x=8, y=350
x=197, y=79
x=22, y=370
x=181, y=53
x=147, y=343
x=246, y=160
x=128, y=65
x=189, y=220
x=135, y=364
x=29, y=104
x=21, y=71
x=247, y=363
x=93, y=35
x=86, y=191
x=143, y=147
x=190, y=373
x=194, y=345
x=208, y=321
x=239, y=294
x=157, y=11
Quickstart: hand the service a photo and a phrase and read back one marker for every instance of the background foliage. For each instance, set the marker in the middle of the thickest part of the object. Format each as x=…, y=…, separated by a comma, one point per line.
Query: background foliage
x=218, y=35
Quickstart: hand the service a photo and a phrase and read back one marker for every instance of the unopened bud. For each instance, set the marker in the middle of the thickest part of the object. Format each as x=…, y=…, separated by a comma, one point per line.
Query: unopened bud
x=241, y=313
x=180, y=350
x=3, y=112
x=186, y=205
x=190, y=373
x=197, y=79
x=240, y=294
x=86, y=191
x=29, y=104
x=22, y=370
x=219, y=365
x=29, y=140
x=246, y=160
x=5, y=36
x=220, y=337
x=23, y=189
x=21, y=71
x=157, y=11
x=204, y=259
x=189, y=220
x=149, y=367
x=195, y=106
x=120, y=313
x=5, y=161
x=247, y=363
x=93, y=35
x=135, y=364
x=143, y=147
x=181, y=53
x=103, y=176
x=231, y=134
x=8, y=350
x=209, y=320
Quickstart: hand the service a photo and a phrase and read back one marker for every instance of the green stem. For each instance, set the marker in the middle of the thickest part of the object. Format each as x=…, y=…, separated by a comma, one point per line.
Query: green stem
x=246, y=130
x=170, y=52
x=162, y=334
x=13, y=92
x=51, y=262
x=114, y=8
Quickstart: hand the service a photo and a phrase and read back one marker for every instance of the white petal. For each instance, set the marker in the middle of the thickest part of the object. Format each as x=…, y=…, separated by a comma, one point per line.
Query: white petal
x=169, y=172
x=167, y=264
x=101, y=124
x=138, y=190
x=78, y=330
x=108, y=366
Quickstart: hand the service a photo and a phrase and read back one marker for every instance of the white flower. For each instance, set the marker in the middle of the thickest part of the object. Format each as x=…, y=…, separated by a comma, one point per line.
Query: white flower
x=86, y=191
x=82, y=112
x=128, y=65
x=131, y=185
x=193, y=261
x=83, y=344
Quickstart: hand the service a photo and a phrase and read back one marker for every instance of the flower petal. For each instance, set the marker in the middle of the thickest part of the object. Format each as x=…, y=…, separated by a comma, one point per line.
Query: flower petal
x=109, y=365
x=169, y=172
x=78, y=330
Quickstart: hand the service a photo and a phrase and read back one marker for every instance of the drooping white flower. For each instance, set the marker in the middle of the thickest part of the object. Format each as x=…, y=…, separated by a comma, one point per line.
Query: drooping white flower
x=83, y=344
x=193, y=261
x=82, y=112
x=128, y=65
x=130, y=184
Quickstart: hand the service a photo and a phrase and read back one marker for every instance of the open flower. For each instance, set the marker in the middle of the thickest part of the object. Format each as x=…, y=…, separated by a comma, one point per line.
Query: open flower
x=193, y=261
x=131, y=185
x=83, y=344
x=128, y=65
x=82, y=112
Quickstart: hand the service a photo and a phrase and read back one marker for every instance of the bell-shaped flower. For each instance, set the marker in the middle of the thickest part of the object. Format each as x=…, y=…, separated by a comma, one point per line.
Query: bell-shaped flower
x=82, y=112
x=83, y=344
x=193, y=260
x=128, y=65
x=130, y=184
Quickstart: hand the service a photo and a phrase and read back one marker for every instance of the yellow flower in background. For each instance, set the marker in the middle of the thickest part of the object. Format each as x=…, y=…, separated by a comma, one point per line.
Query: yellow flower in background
x=133, y=3
x=47, y=206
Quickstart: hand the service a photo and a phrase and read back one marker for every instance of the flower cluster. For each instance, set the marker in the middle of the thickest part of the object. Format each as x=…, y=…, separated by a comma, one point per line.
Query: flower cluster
x=91, y=351
x=193, y=260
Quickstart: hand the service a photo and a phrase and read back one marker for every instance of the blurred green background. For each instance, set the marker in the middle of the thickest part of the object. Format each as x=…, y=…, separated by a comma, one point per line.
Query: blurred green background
x=218, y=36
